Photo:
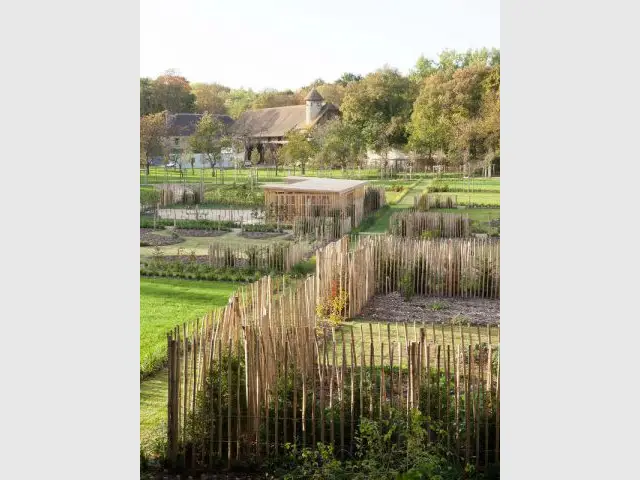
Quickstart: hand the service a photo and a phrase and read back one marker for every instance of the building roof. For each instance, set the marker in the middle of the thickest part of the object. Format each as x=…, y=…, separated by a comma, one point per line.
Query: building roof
x=277, y=121
x=313, y=96
x=317, y=185
x=184, y=124
x=270, y=122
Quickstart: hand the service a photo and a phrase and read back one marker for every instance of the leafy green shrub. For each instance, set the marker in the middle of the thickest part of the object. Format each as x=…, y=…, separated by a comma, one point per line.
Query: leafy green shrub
x=407, y=285
x=304, y=268
x=437, y=305
x=438, y=186
x=149, y=197
x=234, y=195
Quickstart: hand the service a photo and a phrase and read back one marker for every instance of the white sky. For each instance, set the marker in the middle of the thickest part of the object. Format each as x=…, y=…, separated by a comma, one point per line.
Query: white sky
x=287, y=44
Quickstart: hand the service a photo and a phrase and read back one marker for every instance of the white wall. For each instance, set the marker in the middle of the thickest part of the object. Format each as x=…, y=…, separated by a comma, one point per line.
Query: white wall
x=226, y=162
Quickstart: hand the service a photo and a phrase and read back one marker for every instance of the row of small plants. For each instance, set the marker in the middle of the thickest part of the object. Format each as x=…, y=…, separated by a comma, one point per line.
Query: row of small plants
x=198, y=271
x=266, y=227
x=160, y=223
x=189, y=267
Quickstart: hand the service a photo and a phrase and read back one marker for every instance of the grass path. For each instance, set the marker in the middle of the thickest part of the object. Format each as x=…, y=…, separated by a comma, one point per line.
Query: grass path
x=153, y=411
x=382, y=223
x=165, y=303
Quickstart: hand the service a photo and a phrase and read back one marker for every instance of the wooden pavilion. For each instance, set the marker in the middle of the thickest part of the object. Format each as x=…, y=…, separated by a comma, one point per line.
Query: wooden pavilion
x=300, y=198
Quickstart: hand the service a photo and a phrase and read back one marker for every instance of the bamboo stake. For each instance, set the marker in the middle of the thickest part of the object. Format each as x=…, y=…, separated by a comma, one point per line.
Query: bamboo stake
x=286, y=388
x=342, y=367
x=467, y=408
x=353, y=367
x=277, y=401
x=229, y=441
x=446, y=393
x=438, y=383
x=219, y=398
x=238, y=408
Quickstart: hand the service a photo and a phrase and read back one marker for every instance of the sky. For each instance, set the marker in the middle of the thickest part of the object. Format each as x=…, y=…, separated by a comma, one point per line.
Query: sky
x=286, y=44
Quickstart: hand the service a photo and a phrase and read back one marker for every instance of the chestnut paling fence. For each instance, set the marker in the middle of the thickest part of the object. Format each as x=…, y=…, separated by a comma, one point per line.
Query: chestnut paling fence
x=266, y=370
x=431, y=224
x=279, y=257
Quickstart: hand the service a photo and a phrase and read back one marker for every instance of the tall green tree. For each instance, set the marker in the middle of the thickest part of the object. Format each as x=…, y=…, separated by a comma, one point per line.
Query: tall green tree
x=298, y=150
x=209, y=139
x=457, y=111
x=424, y=67
x=429, y=129
x=347, y=78
x=380, y=105
x=148, y=103
x=152, y=133
x=238, y=101
x=338, y=144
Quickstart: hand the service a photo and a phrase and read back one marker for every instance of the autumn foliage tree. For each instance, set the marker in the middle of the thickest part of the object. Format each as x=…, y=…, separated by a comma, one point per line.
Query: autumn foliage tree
x=152, y=133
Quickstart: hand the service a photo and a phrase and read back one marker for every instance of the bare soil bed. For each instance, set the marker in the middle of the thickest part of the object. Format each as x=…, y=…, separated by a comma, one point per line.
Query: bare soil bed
x=151, y=239
x=393, y=308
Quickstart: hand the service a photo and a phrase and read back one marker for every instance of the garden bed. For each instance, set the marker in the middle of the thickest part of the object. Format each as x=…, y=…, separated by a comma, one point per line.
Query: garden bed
x=148, y=238
x=192, y=232
x=463, y=311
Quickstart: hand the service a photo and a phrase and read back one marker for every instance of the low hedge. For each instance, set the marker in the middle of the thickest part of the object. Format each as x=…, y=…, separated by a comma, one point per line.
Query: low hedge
x=268, y=227
x=198, y=271
x=225, y=225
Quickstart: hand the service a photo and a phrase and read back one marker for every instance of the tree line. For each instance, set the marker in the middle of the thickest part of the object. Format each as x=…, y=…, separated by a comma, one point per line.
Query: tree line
x=446, y=110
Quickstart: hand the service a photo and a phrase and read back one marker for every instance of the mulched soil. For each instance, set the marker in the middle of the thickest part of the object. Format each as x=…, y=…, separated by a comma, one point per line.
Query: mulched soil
x=192, y=232
x=393, y=308
x=154, y=240
x=260, y=234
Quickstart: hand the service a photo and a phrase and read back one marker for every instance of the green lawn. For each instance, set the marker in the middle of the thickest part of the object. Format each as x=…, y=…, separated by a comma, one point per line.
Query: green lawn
x=473, y=184
x=165, y=303
x=404, y=201
x=153, y=411
x=480, y=198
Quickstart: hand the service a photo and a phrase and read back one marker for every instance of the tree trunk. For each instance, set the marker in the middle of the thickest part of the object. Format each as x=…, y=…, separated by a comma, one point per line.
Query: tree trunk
x=146, y=167
x=302, y=168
